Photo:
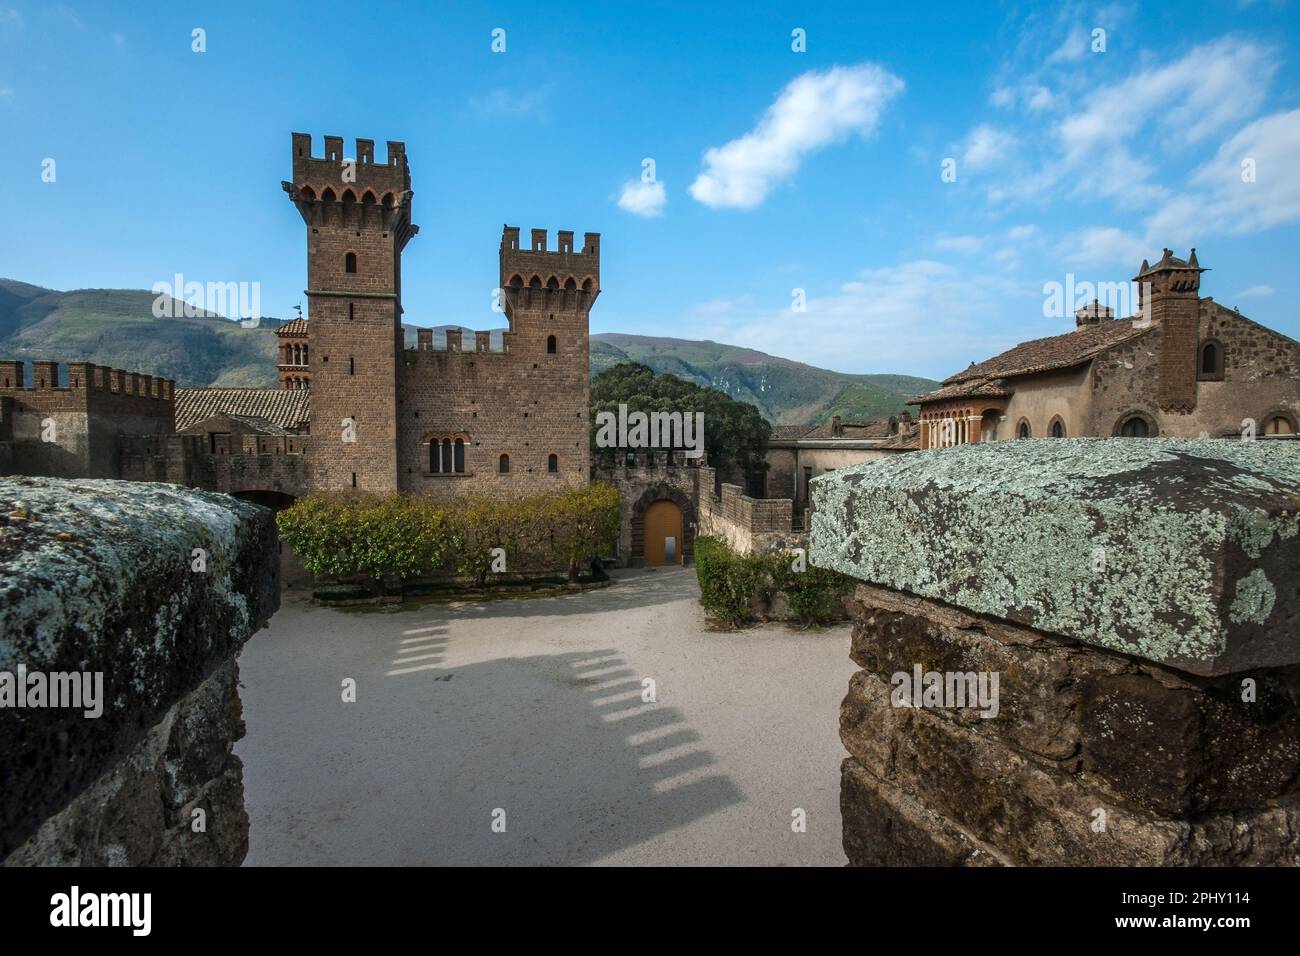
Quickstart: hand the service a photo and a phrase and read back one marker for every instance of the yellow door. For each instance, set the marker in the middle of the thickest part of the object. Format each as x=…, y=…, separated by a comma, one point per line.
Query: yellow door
x=663, y=533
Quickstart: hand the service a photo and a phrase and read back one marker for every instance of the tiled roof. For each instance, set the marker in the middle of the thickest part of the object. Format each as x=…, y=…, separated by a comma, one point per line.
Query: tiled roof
x=975, y=388
x=790, y=432
x=849, y=431
x=1056, y=352
x=288, y=408
x=296, y=327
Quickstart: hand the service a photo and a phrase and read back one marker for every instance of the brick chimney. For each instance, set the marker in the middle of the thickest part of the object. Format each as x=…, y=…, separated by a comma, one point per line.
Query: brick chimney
x=1169, y=292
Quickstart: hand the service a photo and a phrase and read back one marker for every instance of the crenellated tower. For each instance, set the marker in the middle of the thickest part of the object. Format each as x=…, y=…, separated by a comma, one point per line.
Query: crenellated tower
x=358, y=218
x=547, y=296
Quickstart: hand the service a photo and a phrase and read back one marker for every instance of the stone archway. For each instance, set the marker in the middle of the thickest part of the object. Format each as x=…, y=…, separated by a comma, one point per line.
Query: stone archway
x=662, y=492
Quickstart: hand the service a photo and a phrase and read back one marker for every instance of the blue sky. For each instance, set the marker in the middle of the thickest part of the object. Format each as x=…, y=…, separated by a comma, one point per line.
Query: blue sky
x=775, y=170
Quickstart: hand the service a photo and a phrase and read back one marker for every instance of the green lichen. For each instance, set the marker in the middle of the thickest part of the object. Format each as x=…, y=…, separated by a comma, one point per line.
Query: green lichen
x=1255, y=599
x=1012, y=529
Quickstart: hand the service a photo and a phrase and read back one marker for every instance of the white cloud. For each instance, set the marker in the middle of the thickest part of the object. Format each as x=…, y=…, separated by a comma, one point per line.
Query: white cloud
x=814, y=110
x=1255, y=292
x=923, y=317
x=6, y=93
x=508, y=104
x=963, y=244
x=985, y=147
x=1272, y=144
x=642, y=198
x=1101, y=245
x=1022, y=232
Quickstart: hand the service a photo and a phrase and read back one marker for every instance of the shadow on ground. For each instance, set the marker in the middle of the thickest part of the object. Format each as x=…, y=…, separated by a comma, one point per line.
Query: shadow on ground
x=416, y=770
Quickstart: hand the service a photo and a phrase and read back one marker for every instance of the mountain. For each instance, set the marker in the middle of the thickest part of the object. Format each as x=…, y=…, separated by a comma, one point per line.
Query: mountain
x=785, y=391
x=117, y=327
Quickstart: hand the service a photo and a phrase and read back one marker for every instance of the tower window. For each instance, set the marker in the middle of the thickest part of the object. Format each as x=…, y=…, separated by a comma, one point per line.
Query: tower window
x=553, y=464
x=459, y=456
x=350, y=262
x=446, y=456
x=550, y=345
x=504, y=465
x=352, y=365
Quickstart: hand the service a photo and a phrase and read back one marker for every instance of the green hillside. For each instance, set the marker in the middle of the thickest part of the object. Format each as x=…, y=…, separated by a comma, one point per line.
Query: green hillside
x=786, y=392
x=117, y=327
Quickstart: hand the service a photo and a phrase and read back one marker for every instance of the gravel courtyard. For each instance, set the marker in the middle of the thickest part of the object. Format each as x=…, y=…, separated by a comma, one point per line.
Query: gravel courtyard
x=533, y=707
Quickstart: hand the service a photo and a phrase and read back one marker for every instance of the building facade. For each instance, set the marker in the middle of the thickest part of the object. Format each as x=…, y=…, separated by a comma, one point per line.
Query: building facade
x=1185, y=366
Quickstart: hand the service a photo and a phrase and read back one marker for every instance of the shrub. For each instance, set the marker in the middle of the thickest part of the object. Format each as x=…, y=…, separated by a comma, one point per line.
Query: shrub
x=409, y=535
x=729, y=582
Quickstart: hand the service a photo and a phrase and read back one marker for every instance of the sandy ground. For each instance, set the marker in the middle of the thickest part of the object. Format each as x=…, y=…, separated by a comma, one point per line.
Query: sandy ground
x=534, y=708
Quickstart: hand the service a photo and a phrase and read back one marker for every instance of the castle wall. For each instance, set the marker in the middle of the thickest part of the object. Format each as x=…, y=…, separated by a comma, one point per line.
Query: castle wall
x=72, y=430
x=786, y=464
x=1042, y=398
x=748, y=525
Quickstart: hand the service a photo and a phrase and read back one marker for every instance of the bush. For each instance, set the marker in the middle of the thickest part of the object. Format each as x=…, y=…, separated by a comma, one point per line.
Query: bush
x=408, y=536
x=729, y=583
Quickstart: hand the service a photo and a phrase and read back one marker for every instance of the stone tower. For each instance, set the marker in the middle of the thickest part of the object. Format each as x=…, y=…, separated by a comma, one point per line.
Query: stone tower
x=358, y=218
x=547, y=297
x=1169, y=295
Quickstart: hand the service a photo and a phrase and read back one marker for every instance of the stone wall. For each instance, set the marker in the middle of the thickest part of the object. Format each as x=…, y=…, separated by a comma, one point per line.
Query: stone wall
x=748, y=525
x=100, y=583
x=1136, y=603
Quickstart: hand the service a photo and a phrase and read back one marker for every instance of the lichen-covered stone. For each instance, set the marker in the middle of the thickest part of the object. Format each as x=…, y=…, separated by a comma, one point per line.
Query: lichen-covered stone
x=1182, y=552
x=100, y=576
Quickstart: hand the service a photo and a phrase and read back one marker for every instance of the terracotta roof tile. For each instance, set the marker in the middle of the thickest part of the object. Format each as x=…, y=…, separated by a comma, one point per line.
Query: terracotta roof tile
x=1056, y=352
x=289, y=408
x=296, y=327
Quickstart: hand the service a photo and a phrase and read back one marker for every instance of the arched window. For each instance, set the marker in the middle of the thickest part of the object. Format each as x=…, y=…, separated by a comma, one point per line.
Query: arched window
x=1211, y=360
x=1278, y=425
x=1057, y=428
x=446, y=456
x=503, y=466
x=350, y=262
x=553, y=464
x=1022, y=430
x=459, y=460
x=1134, y=426
x=550, y=345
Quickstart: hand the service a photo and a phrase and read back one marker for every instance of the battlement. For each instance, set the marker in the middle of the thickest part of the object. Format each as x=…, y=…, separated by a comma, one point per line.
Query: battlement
x=540, y=268
x=455, y=340
x=84, y=376
x=360, y=173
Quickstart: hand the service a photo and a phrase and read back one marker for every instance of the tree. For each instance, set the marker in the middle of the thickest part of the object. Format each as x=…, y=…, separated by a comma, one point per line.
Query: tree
x=735, y=433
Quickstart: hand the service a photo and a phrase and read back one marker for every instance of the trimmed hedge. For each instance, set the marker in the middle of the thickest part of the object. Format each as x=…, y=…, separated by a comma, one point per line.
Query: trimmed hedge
x=729, y=583
x=406, y=536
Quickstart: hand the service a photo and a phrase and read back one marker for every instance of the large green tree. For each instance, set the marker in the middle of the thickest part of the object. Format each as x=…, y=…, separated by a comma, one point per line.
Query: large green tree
x=735, y=434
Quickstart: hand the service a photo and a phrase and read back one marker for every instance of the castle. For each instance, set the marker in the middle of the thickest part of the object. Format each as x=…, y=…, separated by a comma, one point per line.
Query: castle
x=507, y=412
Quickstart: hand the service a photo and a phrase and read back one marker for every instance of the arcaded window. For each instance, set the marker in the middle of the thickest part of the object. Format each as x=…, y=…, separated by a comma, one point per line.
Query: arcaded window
x=459, y=456
x=553, y=464
x=503, y=465
x=550, y=345
x=350, y=262
x=446, y=456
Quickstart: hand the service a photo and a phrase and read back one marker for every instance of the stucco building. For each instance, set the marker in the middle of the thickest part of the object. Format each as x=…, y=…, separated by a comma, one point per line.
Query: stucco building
x=1185, y=366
